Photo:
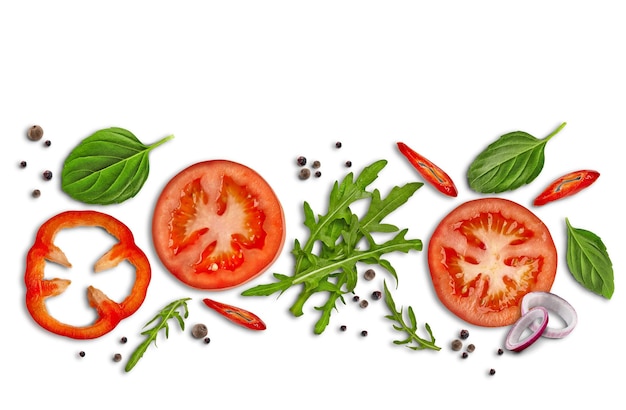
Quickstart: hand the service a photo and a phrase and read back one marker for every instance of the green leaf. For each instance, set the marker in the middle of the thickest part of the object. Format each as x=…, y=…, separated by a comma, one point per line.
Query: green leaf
x=589, y=262
x=511, y=161
x=108, y=167
x=168, y=312
x=410, y=329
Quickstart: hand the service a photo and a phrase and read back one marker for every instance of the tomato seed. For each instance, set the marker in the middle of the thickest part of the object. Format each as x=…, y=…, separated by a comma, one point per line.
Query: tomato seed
x=36, y=193
x=456, y=345
x=117, y=357
x=199, y=331
x=301, y=161
x=364, y=304
x=47, y=175
x=464, y=334
x=35, y=133
x=377, y=294
x=471, y=348
x=304, y=173
x=369, y=274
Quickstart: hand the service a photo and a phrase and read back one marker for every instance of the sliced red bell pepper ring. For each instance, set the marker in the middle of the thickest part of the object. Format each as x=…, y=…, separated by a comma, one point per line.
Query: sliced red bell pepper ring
x=429, y=171
x=110, y=313
x=567, y=185
x=236, y=315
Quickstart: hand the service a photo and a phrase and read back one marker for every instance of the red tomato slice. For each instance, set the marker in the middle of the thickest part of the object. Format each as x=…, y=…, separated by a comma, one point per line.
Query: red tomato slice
x=485, y=255
x=218, y=224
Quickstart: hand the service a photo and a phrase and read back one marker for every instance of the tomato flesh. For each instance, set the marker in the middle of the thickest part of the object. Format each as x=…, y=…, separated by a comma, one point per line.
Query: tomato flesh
x=486, y=255
x=218, y=224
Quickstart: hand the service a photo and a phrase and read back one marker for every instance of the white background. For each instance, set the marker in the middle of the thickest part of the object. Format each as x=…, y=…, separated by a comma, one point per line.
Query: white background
x=262, y=82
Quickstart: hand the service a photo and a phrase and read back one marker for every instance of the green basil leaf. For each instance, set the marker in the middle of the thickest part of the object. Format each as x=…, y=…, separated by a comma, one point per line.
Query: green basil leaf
x=589, y=262
x=108, y=167
x=511, y=161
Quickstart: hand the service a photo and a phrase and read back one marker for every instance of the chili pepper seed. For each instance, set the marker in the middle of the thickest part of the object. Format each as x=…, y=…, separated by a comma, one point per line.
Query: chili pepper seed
x=117, y=357
x=35, y=133
x=47, y=175
x=456, y=345
x=369, y=274
x=464, y=334
x=199, y=331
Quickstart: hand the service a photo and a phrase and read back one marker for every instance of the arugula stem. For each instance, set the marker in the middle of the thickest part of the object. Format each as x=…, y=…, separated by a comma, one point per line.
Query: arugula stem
x=556, y=131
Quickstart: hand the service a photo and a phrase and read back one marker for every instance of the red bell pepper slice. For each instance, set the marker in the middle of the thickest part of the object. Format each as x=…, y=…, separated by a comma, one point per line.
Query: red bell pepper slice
x=237, y=315
x=429, y=171
x=110, y=313
x=567, y=185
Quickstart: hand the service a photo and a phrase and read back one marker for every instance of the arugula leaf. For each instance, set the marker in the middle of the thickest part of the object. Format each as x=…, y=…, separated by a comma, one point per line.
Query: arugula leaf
x=589, y=262
x=108, y=167
x=411, y=328
x=511, y=161
x=168, y=312
x=343, y=240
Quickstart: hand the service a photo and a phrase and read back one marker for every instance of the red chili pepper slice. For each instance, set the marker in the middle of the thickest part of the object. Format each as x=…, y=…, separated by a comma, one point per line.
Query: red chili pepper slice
x=567, y=185
x=237, y=315
x=110, y=313
x=429, y=171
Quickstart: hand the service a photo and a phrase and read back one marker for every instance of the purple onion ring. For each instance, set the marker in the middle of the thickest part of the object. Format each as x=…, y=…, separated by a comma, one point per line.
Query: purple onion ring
x=513, y=341
x=554, y=304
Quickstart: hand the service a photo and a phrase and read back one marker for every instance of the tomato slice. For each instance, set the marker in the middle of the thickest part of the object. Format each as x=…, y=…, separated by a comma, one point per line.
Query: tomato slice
x=485, y=255
x=218, y=224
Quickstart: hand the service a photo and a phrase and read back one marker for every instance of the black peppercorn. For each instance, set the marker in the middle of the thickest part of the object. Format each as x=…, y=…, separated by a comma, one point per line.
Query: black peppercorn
x=364, y=304
x=47, y=175
x=117, y=357
x=470, y=348
x=35, y=133
x=23, y=164
x=338, y=144
x=207, y=340
x=316, y=164
x=377, y=294
x=199, y=331
x=492, y=372
x=500, y=352
x=364, y=333
x=318, y=174
x=343, y=328
x=81, y=354
x=304, y=173
x=456, y=345
x=123, y=339
x=301, y=161
x=47, y=143
x=36, y=193
x=369, y=274
x=355, y=298
x=348, y=164
x=464, y=355
x=464, y=334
